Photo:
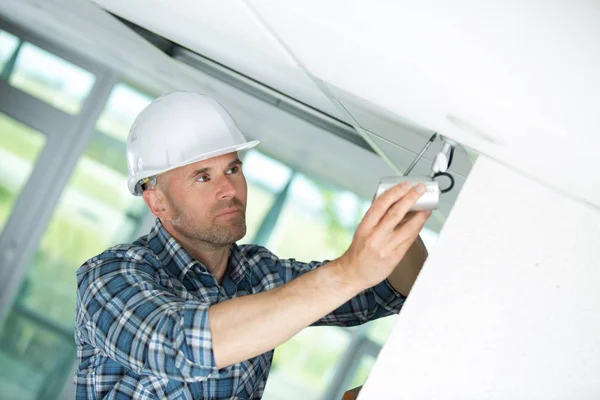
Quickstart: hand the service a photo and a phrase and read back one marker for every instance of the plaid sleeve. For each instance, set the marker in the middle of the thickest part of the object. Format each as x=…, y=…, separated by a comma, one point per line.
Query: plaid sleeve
x=128, y=316
x=376, y=302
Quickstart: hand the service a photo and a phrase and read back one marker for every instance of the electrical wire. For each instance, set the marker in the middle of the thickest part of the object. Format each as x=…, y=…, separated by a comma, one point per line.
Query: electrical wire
x=447, y=175
x=418, y=157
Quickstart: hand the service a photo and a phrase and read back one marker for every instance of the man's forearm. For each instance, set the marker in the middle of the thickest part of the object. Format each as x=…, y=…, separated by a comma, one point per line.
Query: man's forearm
x=404, y=275
x=247, y=326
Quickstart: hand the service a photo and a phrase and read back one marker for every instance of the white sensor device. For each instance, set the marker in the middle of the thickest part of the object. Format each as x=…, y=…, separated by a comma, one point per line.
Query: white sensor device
x=428, y=201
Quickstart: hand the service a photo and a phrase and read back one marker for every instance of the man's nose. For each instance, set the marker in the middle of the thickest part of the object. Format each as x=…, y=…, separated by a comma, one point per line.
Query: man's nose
x=225, y=189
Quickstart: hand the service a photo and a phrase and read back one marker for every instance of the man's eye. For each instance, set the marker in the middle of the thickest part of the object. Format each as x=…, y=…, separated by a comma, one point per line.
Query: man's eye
x=233, y=170
x=203, y=178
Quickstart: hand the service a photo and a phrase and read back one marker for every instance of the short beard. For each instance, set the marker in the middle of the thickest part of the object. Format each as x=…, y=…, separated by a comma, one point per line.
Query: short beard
x=215, y=235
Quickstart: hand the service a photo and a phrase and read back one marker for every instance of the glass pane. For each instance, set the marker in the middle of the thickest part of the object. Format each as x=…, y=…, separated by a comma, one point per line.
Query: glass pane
x=260, y=202
x=265, y=171
x=52, y=79
x=362, y=371
x=123, y=105
x=304, y=366
x=379, y=330
x=20, y=146
x=35, y=356
x=94, y=212
x=311, y=217
x=266, y=177
x=8, y=44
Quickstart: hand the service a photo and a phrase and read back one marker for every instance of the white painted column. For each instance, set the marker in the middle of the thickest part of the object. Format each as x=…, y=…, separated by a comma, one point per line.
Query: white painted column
x=508, y=304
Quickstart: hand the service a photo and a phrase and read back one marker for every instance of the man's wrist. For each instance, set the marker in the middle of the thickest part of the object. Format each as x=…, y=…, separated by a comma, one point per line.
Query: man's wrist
x=344, y=283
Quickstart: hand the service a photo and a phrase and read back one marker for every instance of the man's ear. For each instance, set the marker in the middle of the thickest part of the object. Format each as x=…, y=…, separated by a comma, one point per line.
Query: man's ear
x=157, y=203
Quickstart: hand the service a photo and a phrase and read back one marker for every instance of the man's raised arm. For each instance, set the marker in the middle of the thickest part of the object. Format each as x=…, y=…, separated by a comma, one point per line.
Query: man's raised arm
x=247, y=326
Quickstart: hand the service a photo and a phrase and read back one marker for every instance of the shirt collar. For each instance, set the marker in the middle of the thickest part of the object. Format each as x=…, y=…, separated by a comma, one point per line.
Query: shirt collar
x=179, y=262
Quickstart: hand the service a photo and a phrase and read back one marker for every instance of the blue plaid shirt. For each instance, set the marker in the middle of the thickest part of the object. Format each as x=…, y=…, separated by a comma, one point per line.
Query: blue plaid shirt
x=142, y=328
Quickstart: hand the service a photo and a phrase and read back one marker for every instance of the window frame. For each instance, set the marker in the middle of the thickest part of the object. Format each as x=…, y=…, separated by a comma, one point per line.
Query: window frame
x=66, y=138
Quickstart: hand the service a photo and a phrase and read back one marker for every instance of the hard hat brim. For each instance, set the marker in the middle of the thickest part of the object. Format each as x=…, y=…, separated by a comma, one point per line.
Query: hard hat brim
x=135, y=187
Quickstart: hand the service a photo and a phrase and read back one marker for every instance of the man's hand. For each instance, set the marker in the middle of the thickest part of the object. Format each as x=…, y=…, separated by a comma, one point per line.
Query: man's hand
x=383, y=237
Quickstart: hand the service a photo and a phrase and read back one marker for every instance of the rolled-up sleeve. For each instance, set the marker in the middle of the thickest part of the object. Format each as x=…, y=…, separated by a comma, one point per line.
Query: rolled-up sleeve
x=376, y=302
x=123, y=312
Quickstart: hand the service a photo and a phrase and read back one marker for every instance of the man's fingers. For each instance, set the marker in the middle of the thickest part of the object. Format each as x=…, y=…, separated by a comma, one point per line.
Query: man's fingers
x=398, y=211
x=382, y=204
x=408, y=232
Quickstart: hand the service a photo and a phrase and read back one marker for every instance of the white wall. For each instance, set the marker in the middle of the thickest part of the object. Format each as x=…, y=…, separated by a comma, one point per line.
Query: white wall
x=507, y=306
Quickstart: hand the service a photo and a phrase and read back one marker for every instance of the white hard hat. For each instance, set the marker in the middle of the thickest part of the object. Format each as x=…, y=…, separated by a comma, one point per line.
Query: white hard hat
x=177, y=129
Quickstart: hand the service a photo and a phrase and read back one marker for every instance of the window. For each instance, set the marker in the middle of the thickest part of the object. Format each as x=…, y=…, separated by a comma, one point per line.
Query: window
x=266, y=179
x=8, y=45
x=51, y=78
x=20, y=147
x=95, y=212
x=314, y=222
x=304, y=366
x=122, y=107
x=319, y=217
x=379, y=330
x=364, y=367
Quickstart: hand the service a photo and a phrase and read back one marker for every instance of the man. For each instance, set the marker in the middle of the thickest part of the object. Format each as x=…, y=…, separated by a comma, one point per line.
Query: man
x=184, y=312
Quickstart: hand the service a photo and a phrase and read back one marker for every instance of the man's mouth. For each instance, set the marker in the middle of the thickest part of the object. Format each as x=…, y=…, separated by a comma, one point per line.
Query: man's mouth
x=228, y=211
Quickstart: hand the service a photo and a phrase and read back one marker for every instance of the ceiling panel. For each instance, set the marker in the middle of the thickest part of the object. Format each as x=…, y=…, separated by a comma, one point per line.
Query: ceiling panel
x=95, y=34
x=225, y=31
x=231, y=34
x=518, y=81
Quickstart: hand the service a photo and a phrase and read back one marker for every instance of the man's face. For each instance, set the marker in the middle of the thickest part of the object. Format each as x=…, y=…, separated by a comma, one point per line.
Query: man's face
x=207, y=200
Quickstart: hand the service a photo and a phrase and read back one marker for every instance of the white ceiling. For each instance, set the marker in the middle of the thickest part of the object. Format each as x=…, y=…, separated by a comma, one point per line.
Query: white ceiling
x=518, y=81
x=228, y=33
